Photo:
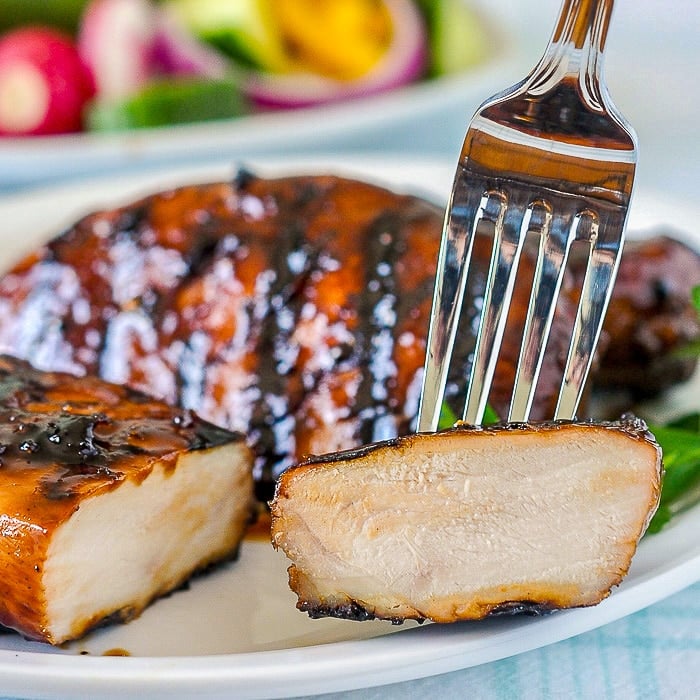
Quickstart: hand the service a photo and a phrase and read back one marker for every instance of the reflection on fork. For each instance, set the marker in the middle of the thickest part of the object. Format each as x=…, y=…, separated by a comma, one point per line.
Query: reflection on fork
x=549, y=158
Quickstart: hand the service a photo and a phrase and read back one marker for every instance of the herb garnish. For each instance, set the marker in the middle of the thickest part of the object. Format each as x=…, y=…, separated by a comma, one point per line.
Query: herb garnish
x=448, y=417
x=680, y=444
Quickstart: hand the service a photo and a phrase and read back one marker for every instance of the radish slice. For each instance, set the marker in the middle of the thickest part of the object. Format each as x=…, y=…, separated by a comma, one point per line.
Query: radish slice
x=44, y=84
x=404, y=61
x=116, y=41
x=176, y=52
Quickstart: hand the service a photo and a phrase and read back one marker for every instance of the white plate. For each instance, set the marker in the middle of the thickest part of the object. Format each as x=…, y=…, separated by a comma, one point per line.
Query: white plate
x=363, y=122
x=236, y=633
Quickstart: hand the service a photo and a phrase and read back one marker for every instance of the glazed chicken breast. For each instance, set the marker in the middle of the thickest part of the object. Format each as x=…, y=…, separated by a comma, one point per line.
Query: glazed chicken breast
x=108, y=499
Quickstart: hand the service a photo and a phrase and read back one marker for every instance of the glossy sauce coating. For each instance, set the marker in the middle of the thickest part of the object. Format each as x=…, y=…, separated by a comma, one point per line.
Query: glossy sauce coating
x=293, y=310
x=650, y=317
x=62, y=437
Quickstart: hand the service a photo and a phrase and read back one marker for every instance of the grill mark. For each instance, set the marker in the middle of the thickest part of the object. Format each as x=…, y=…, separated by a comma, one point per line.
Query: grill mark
x=213, y=241
x=204, y=251
x=306, y=193
x=190, y=372
x=131, y=219
x=273, y=423
x=130, y=223
x=377, y=320
x=243, y=178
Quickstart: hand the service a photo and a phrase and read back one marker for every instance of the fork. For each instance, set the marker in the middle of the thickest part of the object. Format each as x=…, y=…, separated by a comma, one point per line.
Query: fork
x=550, y=158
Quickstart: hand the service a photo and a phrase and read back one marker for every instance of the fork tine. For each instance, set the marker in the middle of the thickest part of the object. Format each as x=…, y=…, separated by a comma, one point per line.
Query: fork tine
x=453, y=264
x=508, y=240
x=595, y=295
x=555, y=242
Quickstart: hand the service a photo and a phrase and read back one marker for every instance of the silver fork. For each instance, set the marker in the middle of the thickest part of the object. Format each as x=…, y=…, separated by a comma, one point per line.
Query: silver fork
x=549, y=157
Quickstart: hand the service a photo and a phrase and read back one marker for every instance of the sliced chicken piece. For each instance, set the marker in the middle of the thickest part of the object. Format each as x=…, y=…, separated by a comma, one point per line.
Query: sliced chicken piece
x=468, y=522
x=108, y=499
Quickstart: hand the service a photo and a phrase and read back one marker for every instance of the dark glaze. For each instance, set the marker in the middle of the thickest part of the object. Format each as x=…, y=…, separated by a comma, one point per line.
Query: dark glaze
x=293, y=310
x=61, y=436
x=650, y=318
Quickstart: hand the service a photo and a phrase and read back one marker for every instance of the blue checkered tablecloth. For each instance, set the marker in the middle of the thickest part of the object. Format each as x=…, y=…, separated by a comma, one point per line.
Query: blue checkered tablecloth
x=653, y=654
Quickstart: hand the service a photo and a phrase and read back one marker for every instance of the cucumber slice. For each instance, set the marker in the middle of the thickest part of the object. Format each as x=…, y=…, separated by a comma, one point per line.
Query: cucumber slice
x=162, y=103
x=458, y=36
x=243, y=29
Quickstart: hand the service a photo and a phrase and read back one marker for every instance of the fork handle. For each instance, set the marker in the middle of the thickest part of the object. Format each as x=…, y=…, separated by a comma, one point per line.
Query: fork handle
x=579, y=19
x=564, y=98
x=576, y=47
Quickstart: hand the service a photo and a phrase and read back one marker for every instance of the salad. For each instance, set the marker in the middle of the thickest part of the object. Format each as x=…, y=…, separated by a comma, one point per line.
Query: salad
x=99, y=65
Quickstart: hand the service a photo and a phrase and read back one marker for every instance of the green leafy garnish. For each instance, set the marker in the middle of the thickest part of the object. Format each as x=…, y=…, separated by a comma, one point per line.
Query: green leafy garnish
x=448, y=417
x=490, y=416
x=691, y=423
x=680, y=444
x=692, y=349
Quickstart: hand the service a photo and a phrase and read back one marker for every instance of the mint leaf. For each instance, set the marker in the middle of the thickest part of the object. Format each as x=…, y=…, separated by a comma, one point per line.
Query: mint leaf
x=680, y=443
x=448, y=417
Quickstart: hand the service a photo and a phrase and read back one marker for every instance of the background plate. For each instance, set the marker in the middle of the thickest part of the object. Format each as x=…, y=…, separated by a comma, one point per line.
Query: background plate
x=367, y=120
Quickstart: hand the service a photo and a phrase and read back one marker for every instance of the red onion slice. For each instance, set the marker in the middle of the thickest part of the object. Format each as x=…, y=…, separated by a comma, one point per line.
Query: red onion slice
x=115, y=41
x=176, y=52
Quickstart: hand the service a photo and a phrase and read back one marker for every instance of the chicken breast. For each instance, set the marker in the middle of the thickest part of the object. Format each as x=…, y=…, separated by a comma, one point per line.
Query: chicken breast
x=108, y=499
x=468, y=522
x=295, y=310
x=650, y=317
